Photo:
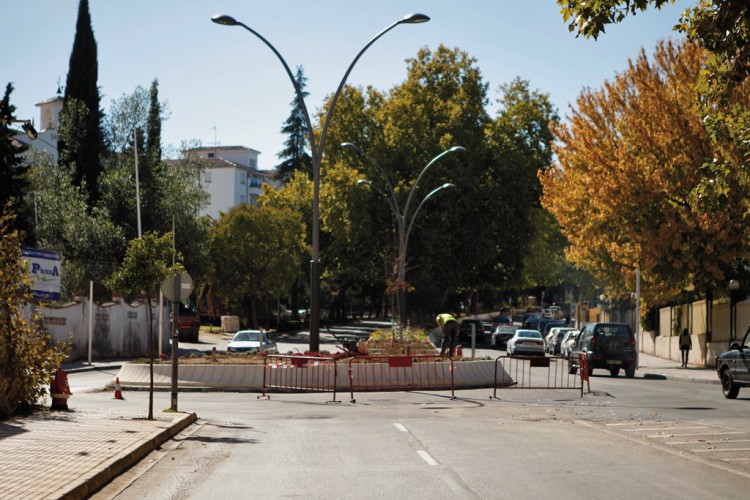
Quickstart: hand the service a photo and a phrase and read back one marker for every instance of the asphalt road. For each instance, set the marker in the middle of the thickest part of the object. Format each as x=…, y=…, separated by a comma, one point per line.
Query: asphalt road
x=631, y=438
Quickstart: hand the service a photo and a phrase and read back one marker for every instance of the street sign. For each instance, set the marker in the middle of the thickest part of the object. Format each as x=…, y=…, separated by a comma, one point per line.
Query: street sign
x=186, y=287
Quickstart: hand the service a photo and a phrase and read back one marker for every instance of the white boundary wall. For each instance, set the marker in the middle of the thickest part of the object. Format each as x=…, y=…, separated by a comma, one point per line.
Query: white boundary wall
x=120, y=330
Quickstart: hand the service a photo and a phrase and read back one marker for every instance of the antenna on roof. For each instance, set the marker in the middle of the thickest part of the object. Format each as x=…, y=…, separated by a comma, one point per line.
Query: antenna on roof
x=216, y=143
x=59, y=87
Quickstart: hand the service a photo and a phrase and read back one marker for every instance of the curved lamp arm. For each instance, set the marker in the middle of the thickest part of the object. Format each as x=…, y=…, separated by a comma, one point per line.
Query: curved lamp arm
x=317, y=148
x=408, y=19
x=230, y=21
x=454, y=149
x=391, y=197
x=447, y=185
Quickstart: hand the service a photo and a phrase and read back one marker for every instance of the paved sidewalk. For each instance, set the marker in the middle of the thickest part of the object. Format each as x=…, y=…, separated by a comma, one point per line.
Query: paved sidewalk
x=653, y=367
x=71, y=454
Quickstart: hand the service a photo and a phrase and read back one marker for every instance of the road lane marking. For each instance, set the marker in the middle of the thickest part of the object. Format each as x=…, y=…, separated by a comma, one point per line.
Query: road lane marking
x=427, y=457
x=665, y=429
x=720, y=450
x=706, y=441
x=676, y=435
x=400, y=427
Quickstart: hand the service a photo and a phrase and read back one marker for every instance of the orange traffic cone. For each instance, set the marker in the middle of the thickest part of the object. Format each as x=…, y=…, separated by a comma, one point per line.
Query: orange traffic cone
x=118, y=390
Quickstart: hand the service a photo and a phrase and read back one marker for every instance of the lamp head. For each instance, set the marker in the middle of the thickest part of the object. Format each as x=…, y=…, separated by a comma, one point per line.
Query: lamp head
x=734, y=285
x=448, y=185
x=349, y=145
x=458, y=149
x=415, y=18
x=362, y=182
x=30, y=130
x=225, y=20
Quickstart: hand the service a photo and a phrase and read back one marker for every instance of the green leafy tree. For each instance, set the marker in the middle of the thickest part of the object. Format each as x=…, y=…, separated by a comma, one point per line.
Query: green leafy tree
x=147, y=263
x=170, y=190
x=28, y=359
x=80, y=141
x=256, y=253
x=590, y=18
x=87, y=239
x=294, y=156
x=520, y=141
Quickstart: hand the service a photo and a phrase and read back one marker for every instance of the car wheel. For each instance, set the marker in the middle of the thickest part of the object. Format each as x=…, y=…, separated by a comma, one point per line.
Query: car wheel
x=614, y=371
x=572, y=369
x=630, y=371
x=591, y=370
x=728, y=387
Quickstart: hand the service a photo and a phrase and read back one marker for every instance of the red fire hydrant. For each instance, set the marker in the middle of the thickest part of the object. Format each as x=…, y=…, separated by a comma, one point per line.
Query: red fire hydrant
x=59, y=391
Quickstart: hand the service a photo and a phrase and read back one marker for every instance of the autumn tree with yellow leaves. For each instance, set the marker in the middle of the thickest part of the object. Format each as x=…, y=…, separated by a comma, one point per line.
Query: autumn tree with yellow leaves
x=634, y=185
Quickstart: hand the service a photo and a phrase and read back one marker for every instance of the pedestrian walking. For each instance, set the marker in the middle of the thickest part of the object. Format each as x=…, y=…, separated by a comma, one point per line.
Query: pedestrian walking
x=449, y=326
x=686, y=343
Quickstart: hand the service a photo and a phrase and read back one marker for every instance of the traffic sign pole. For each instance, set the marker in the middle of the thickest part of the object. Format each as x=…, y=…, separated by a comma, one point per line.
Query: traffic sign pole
x=175, y=339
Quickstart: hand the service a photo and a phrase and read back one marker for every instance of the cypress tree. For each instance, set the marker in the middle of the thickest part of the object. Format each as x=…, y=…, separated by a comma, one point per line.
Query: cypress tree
x=82, y=144
x=295, y=127
x=12, y=169
x=150, y=161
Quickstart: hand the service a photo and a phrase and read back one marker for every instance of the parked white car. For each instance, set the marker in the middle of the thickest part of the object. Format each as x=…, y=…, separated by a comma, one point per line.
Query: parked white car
x=568, y=341
x=526, y=342
x=553, y=340
x=248, y=340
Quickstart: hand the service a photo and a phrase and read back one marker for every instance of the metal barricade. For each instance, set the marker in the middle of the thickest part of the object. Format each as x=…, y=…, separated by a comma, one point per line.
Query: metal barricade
x=285, y=372
x=534, y=372
x=400, y=373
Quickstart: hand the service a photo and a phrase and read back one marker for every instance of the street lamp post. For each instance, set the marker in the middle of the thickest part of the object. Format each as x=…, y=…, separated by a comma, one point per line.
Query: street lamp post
x=734, y=285
x=401, y=216
x=316, y=147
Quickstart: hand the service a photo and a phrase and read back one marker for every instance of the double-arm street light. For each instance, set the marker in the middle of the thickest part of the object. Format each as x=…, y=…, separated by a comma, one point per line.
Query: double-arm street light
x=316, y=147
x=401, y=216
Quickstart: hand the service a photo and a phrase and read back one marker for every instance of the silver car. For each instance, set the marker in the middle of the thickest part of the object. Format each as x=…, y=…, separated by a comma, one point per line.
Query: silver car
x=248, y=340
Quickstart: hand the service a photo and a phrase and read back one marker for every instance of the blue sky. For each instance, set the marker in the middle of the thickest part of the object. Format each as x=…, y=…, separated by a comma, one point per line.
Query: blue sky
x=222, y=84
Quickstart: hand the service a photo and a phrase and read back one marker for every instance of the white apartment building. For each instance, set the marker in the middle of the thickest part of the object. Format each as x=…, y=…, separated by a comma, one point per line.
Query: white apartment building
x=231, y=178
x=49, y=119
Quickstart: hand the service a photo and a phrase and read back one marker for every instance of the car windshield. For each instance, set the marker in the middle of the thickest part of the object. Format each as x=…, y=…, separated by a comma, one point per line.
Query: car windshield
x=530, y=334
x=246, y=337
x=613, y=331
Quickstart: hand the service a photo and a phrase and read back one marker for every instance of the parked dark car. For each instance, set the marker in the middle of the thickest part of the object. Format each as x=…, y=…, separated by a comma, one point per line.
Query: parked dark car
x=610, y=346
x=501, y=336
x=733, y=367
x=464, y=330
x=502, y=320
x=531, y=322
x=545, y=325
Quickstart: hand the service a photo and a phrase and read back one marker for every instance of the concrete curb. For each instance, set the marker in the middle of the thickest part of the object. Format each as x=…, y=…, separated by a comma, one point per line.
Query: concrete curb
x=88, y=484
x=680, y=378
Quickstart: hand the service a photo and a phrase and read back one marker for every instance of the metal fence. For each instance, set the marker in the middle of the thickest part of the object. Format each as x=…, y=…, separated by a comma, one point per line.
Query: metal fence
x=401, y=373
x=299, y=373
x=535, y=372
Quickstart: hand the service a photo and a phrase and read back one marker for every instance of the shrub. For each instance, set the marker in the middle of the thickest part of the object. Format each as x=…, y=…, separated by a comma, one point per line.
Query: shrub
x=27, y=358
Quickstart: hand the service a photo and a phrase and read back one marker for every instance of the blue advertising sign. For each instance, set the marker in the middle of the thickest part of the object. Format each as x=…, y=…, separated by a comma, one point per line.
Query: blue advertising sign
x=44, y=268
